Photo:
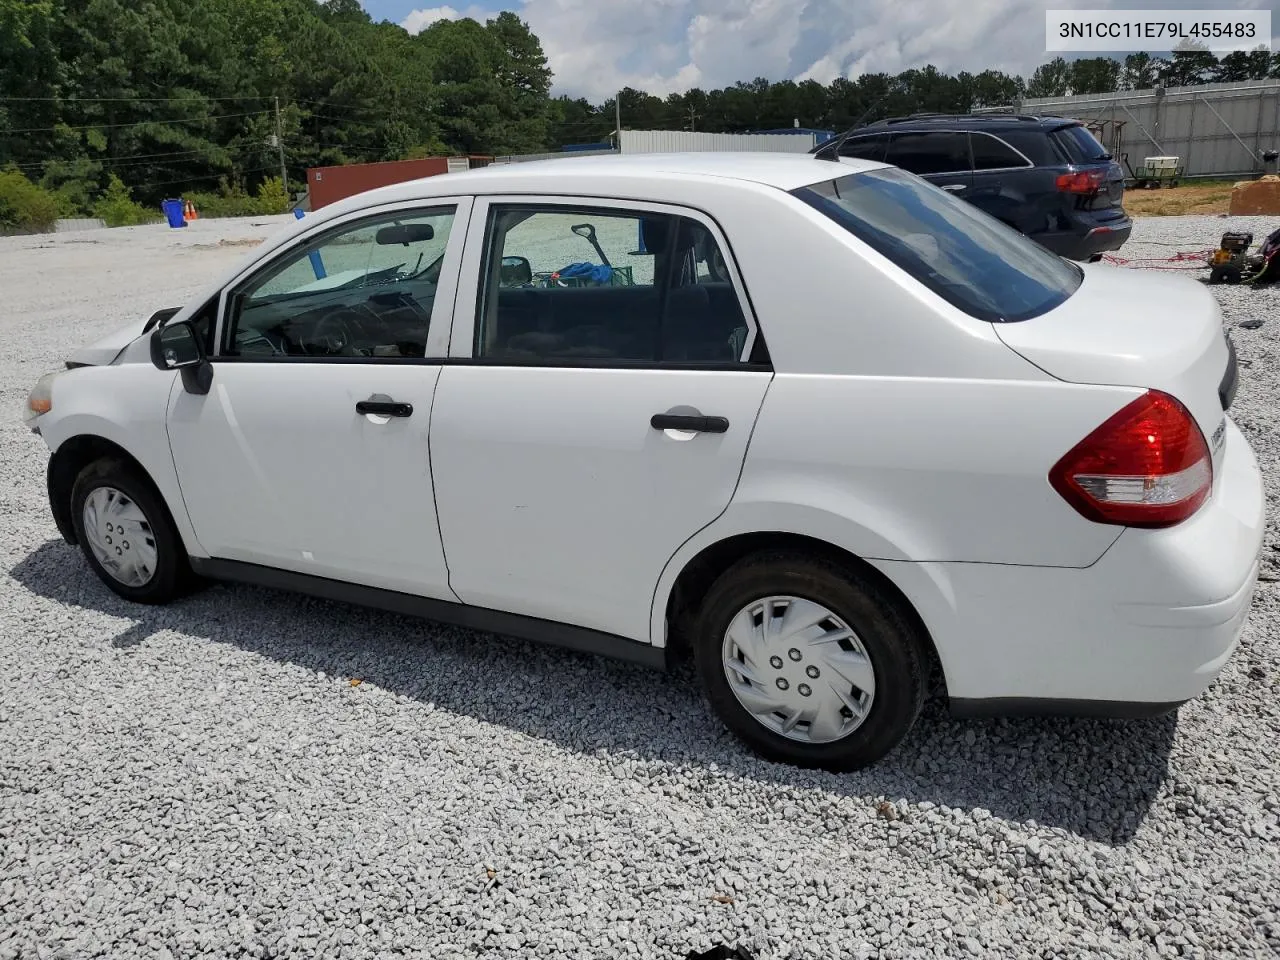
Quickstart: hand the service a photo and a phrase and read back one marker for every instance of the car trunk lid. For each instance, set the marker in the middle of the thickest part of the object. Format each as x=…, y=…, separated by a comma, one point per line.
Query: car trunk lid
x=1138, y=329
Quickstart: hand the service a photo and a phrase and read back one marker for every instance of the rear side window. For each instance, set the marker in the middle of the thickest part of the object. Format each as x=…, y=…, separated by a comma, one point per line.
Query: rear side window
x=991, y=153
x=865, y=148
x=988, y=270
x=606, y=286
x=1080, y=145
x=931, y=151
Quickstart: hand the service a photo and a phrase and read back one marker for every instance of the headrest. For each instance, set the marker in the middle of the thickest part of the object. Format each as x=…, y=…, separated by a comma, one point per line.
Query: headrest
x=655, y=231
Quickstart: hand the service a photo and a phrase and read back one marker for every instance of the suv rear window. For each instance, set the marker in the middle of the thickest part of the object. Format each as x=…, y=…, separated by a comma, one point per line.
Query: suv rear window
x=971, y=260
x=1080, y=145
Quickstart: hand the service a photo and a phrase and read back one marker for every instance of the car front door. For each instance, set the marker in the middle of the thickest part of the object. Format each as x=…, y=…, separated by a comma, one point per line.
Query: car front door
x=604, y=379
x=940, y=156
x=310, y=451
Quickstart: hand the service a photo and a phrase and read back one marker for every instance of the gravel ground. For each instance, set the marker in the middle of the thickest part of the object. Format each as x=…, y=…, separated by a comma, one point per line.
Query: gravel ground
x=254, y=774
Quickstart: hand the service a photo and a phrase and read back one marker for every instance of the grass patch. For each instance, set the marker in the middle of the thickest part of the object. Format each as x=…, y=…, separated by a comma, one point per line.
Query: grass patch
x=1200, y=197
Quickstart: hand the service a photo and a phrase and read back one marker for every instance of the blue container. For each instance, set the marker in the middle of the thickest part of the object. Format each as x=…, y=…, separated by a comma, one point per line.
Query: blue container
x=173, y=212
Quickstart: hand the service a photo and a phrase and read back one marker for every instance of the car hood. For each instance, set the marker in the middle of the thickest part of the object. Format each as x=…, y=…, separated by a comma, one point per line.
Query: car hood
x=104, y=351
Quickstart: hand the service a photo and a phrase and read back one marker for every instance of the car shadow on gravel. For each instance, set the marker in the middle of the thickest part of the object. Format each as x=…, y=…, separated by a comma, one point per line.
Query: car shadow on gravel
x=1096, y=779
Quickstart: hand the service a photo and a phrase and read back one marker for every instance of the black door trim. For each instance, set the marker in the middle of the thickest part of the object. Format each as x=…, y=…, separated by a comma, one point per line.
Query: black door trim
x=537, y=630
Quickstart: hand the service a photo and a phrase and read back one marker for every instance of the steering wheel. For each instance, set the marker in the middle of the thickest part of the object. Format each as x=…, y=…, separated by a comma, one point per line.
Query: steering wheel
x=331, y=336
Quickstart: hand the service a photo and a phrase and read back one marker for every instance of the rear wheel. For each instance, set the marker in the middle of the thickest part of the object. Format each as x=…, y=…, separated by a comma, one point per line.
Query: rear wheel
x=807, y=662
x=126, y=533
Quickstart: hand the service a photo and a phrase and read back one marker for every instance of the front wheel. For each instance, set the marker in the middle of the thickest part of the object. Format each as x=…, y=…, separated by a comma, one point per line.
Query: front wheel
x=126, y=533
x=808, y=663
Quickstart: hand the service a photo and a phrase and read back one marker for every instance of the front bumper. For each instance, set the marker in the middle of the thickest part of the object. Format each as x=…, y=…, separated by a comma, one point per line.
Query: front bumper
x=1145, y=628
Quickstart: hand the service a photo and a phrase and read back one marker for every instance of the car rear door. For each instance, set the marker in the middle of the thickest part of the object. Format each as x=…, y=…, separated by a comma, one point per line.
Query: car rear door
x=940, y=156
x=1002, y=178
x=589, y=420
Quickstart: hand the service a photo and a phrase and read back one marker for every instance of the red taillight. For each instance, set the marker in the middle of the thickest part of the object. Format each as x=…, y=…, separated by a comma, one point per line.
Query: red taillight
x=1147, y=466
x=1083, y=181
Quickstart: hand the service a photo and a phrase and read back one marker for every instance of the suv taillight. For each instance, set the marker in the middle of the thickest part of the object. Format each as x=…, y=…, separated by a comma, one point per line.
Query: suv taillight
x=1082, y=181
x=1147, y=466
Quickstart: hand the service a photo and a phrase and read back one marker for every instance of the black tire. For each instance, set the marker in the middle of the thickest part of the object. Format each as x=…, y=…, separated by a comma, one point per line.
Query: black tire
x=172, y=576
x=888, y=637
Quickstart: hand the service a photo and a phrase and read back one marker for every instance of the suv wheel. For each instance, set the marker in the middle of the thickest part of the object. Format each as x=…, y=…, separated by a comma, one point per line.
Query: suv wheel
x=808, y=663
x=126, y=533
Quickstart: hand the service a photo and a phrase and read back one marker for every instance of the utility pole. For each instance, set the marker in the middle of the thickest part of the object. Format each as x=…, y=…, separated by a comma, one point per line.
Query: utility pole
x=284, y=173
x=617, y=118
x=693, y=120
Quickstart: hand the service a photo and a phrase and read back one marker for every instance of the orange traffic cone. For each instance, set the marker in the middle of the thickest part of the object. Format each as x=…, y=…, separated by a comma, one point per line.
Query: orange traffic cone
x=189, y=211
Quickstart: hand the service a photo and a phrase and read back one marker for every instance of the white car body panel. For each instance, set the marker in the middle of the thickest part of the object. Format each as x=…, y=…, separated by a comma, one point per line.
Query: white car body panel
x=276, y=469
x=891, y=425
x=1132, y=328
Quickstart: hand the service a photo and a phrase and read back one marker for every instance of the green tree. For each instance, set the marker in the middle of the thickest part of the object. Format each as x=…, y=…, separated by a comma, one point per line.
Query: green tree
x=1094, y=75
x=1052, y=79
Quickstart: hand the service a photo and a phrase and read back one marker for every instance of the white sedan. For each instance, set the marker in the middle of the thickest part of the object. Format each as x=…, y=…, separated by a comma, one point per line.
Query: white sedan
x=818, y=423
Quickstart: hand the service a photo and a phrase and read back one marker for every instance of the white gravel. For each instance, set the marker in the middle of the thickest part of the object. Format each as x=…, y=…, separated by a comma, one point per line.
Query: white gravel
x=207, y=779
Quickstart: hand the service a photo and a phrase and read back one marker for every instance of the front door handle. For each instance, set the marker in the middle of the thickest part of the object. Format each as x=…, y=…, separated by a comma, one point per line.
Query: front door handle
x=696, y=424
x=384, y=408
x=953, y=187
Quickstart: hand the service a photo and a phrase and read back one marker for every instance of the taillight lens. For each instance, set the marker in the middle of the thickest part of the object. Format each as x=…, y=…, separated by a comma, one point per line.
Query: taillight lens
x=1147, y=466
x=1082, y=181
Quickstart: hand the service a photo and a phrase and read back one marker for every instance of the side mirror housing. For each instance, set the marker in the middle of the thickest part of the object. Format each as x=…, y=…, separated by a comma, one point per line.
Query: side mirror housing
x=177, y=346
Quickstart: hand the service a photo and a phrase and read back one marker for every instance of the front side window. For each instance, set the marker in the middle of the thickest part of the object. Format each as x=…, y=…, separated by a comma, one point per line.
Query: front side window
x=934, y=151
x=364, y=290
x=563, y=284
x=968, y=258
x=865, y=148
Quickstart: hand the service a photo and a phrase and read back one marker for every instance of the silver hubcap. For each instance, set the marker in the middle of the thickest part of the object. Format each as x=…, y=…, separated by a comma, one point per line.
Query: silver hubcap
x=799, y=669
x=120, y=536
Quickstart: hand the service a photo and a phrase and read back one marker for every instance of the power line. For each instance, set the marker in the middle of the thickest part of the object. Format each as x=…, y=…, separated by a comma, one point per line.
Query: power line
x=140, y=123
x=196, y=99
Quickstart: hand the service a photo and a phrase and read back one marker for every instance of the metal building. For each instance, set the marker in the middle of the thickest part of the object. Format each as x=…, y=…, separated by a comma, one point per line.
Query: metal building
x=682, y=141
x=1217, y=129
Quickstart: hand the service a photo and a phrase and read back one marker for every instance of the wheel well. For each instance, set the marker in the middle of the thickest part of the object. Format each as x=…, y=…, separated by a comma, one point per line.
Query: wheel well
x=701, y=572
x=65, y=465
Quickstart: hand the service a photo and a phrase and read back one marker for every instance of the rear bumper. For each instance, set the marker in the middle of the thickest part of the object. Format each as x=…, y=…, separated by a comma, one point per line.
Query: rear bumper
x=1090, y=240
x=1146, y=627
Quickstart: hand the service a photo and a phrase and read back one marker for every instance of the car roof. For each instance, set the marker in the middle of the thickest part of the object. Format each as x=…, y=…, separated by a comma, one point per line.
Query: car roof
x=625, y=173
x=985, y=121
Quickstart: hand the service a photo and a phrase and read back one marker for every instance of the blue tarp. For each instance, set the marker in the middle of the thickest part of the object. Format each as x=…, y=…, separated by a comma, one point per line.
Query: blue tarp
x=597, y=272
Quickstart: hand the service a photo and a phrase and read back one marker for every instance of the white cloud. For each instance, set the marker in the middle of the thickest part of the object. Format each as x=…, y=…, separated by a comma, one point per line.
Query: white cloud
x=418, y=20
x=596, y=47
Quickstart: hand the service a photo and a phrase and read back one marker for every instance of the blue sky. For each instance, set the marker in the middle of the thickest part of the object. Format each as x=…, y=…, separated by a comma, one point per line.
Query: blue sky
x=596, y=47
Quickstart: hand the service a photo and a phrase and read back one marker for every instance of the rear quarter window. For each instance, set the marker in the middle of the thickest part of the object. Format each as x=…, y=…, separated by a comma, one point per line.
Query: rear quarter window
x=1079, y=144
x=971, y=260
x=1034, y=144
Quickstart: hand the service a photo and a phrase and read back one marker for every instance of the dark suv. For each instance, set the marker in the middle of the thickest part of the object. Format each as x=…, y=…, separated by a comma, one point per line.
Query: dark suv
x=1045, y=176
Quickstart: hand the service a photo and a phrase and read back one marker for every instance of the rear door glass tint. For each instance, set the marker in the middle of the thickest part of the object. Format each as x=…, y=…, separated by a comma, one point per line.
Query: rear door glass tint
x=990, y=153
x=930, y=151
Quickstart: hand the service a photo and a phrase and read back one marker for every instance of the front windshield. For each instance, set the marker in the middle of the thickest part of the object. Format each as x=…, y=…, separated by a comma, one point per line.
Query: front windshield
x=968, y=258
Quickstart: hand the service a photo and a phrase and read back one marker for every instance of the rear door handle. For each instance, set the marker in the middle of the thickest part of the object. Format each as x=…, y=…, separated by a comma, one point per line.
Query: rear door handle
x=696, y=424
x=953, y=187
x=384, y=408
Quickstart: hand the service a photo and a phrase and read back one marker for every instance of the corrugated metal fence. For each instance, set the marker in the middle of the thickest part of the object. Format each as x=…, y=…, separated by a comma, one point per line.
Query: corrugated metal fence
x=1218, y=129
x=681, y=141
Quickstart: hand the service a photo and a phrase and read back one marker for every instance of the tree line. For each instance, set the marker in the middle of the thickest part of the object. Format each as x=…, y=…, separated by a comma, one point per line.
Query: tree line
x=159, y=97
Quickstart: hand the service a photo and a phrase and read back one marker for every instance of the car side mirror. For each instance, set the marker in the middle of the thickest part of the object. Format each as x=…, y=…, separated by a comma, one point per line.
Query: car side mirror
x=177, y=346
x=515, y=272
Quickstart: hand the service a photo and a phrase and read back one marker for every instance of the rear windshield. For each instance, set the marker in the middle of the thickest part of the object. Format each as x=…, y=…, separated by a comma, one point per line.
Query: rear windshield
x=1080, y=145
x=975, y=262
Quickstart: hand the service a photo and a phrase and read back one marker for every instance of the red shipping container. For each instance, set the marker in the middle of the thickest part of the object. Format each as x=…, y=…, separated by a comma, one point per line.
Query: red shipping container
x=331, y=184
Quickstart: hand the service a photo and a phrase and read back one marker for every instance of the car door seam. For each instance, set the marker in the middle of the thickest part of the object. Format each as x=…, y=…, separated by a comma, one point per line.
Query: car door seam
x=431, y=478
x=742, y=466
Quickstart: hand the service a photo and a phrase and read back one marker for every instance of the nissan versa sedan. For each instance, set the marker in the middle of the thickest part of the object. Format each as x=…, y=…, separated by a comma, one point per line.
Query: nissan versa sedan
x=820, y=424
